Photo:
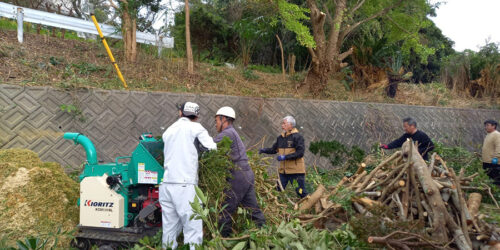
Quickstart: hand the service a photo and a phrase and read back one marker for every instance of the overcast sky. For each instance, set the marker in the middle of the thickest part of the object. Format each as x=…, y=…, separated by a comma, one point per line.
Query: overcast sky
x=469, y=22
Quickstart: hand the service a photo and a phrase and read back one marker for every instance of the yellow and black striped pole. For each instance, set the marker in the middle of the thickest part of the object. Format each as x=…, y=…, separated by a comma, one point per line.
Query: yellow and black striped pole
x=109, y=52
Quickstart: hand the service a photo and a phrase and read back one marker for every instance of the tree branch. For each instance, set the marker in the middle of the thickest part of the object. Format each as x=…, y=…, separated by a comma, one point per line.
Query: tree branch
x=333, y=38
x=384, y=11
x=421, y=241
x=329, y=19
x=342, y=56
x=113, y=4
x=112, y=19
x=76, y=7
x=397, y=25
x=356, y=7
x=313, y=53
x=48, y=7
x=317, y=22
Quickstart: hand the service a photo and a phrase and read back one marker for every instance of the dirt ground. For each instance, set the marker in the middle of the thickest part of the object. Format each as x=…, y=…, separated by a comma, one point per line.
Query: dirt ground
x=69, y=63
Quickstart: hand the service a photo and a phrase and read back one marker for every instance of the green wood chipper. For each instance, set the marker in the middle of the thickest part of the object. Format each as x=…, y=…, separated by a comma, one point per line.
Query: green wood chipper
x=119, y=200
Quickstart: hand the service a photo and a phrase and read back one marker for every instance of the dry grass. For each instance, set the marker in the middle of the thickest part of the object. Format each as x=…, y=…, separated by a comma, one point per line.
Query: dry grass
x=44, y=60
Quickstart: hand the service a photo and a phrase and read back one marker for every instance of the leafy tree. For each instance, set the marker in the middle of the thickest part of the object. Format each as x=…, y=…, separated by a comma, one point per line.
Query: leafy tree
x=250, y=30
x=487, y=56
x=485, y=68
x=429, y=71
x=210, y=32
x=129, y=11
x=341, y=19
x=222, y=28
x=292, y=16
x=422, y=50
x=477, y=72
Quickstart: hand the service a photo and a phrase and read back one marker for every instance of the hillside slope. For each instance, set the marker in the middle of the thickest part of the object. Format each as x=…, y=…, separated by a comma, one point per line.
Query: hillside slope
x=70, y=63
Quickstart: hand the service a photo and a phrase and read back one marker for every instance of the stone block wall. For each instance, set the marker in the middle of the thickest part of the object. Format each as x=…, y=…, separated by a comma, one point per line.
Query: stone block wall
x=31, y=117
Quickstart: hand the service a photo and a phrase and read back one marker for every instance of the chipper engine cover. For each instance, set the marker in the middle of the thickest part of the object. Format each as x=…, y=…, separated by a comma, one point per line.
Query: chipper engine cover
x=99, y=205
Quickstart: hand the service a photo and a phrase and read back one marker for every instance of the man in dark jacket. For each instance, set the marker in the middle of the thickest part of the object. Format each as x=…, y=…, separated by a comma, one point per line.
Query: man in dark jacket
x=290, y=148
x=425, y=144
x=242, y=183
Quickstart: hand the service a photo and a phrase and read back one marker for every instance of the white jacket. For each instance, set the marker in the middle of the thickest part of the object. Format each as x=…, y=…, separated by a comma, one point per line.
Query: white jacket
x=181, y=157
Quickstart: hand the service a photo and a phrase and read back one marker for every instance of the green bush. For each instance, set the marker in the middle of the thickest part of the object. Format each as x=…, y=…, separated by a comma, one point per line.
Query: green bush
x=265, y=68
x=339, y=154
x=7, y=24
x=249, y=74
x=458, y=157
x=85, y=68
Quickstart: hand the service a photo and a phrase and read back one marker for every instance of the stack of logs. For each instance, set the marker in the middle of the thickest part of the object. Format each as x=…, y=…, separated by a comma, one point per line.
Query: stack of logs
x=415, y=190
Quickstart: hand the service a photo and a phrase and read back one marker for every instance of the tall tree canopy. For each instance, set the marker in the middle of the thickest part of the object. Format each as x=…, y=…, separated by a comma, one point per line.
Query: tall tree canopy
x=334, y=22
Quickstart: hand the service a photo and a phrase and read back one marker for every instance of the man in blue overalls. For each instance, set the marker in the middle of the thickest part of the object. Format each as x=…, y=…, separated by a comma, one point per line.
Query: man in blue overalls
x=243, y=180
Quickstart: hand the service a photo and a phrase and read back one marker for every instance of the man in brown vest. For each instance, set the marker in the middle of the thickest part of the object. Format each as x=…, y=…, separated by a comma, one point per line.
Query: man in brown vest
x=290, y=149
x=491, y=151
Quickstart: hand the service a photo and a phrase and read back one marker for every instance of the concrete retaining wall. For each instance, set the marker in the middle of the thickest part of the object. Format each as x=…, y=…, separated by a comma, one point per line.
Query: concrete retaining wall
x=31, y=117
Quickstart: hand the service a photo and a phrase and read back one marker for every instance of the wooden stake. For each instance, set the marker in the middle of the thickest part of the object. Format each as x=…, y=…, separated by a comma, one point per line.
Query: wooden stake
x=282, y=57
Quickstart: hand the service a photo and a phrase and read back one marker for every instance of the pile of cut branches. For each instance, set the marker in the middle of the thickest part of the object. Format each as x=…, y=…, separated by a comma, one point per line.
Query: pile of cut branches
x=430, y=198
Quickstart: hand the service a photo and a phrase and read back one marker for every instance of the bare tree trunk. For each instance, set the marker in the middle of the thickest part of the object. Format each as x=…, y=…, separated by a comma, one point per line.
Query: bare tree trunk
x=63, y=31
x=282, y=57
x=129, y=27
x=317, y=78
x=291, y=64
x=76, y=7
x=52, y=29
x=326, y=58
x=189, y=51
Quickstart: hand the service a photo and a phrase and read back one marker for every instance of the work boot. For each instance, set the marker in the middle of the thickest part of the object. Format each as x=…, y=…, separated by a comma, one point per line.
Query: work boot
x=301, y=192
x=225, y=233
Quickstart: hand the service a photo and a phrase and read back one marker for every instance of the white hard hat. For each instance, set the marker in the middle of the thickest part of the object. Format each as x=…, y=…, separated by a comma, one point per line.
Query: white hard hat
x=227, y=111
x=190, y=108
